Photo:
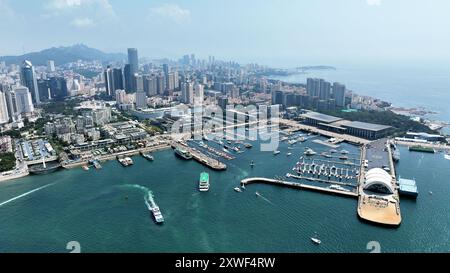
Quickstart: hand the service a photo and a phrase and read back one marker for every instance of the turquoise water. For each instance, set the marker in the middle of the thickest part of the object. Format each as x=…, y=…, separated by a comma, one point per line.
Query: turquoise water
x=105, y=210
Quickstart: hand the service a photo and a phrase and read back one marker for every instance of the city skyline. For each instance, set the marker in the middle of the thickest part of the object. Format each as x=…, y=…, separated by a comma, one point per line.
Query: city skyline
x=281, y=34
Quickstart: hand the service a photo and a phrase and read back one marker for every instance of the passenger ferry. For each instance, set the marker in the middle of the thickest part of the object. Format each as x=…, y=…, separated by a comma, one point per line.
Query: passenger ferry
x=203, y=184
x=183, y=153
x=157, y=215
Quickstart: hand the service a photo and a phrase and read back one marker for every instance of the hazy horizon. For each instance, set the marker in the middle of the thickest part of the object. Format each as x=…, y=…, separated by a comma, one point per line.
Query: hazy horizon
x=276, y=33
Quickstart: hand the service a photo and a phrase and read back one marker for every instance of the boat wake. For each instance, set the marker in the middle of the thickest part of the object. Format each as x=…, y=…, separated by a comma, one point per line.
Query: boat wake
x=26, y=194
x=265, y=199
x=148, y=198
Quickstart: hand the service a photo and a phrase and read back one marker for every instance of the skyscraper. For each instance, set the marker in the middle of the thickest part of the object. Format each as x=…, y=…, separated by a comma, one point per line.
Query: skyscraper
x=199, y=93
x=44, y=90
x=160, y=84
x=150, y=85
x=187, y=92
x=120, y=96
x=51, y=66
x=128, y=77
x=109, y=81
x=58, y=88
x=4, y=117
x=24, y=102
x=325, y=90
x=139, y=83
x=118, y=79
x=133, y=60
x=339, y=94
x=28, y=79
x=141, y=100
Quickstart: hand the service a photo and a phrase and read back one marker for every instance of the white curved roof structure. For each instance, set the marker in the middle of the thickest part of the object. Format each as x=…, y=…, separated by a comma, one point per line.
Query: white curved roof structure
x=378, y=180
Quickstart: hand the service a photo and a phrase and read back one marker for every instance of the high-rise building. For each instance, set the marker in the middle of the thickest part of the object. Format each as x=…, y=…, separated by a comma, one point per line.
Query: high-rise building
x=339, y=94
x=170, y=81
x=28, y=79
x=11, y=104
x=222, y=102
x=139, y=83
x=120, y=96
x=150, y=85
x=160, y=84
x=109, y=81
x=141, y=100
x=24, y=102
x=325, y=90
x=277, y=97
x=128, y=77
x=44, y=90
x=133, y=60
x=51, y=66
x=4, y=116
x=58, y=88
x=166, y=69
x=199, y=93
x=118, y=79
x=187, y=92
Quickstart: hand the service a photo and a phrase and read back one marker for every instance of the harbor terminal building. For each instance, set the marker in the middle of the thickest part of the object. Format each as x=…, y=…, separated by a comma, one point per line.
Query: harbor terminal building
x=338, y=125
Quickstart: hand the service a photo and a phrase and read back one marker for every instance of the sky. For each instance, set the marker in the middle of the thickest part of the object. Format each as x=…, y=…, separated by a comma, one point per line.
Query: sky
x=273, y=32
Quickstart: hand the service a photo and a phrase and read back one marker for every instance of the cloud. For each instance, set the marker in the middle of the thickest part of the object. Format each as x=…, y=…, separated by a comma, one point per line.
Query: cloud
x=80, y=13
x=172, y=12
x=62, y=7
x=373, y=2
x=82, y=22
x=5, y=10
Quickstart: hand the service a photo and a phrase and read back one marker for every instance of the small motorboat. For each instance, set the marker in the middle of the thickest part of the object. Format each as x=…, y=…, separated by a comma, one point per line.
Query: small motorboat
x=316, y=241
x=237, y=189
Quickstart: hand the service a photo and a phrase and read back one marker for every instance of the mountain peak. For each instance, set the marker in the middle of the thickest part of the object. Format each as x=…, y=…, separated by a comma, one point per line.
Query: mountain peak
x=65, y=54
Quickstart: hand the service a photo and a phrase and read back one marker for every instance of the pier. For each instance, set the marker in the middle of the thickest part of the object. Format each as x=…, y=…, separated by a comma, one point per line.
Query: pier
x=201, y=157
x=319, y=180
x=381, y=209
x=255, y=180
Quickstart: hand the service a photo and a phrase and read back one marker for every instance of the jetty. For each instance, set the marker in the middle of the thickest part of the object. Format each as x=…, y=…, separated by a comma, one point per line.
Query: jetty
x=201, y=157
x=300, y=186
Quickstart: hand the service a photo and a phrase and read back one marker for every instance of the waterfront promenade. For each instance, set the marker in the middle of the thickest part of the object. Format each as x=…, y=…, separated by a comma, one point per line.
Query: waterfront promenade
x=109, y=157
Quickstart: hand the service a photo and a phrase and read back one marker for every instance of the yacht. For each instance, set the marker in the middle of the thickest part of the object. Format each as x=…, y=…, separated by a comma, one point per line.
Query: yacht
x=276, y=153
x=310, y=152
x=447, y=156
x=289, y=154
x=316, y=241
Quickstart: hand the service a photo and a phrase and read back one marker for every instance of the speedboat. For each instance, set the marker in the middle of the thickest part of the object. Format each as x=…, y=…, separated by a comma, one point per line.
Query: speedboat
x=289, y=154
x=276, y=153
x=237, y=189
x=316, y=241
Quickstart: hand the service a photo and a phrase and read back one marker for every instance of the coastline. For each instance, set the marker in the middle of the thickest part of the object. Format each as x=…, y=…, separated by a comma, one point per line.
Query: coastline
x=114, y=156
